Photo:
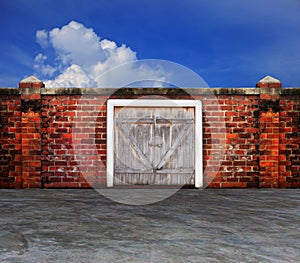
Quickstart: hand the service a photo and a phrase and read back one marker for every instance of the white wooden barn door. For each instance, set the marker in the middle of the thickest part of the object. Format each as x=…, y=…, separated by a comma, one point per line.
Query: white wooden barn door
x=154, y=146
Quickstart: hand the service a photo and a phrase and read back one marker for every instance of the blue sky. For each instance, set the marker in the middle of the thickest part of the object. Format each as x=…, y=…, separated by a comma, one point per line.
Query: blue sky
x=229, y=43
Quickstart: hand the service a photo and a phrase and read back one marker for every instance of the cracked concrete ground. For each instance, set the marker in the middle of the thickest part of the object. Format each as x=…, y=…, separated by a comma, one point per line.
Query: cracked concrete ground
x=69, y=225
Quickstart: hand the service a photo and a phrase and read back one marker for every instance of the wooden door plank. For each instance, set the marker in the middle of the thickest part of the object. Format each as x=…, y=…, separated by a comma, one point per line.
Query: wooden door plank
x=132, y=141
x=151, y=120
x=179, y=171
x=177, y=141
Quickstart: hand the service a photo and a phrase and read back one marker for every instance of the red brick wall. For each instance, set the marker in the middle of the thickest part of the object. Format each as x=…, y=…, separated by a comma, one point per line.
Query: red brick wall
x=241, y=162
x=50, y=137
x=289, y=141
x=58, y=164
x=66, y=133
x=10, y=140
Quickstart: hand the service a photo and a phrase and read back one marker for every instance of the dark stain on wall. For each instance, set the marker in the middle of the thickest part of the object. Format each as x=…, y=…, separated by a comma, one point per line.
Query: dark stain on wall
x=30, y=105
x=266, y=105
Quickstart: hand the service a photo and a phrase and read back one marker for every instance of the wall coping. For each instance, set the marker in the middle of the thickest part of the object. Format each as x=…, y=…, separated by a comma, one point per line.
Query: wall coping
x=150, y=91
x=10, y=91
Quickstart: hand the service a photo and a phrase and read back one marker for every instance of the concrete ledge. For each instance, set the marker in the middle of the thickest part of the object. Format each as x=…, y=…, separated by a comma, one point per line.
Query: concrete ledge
x=163, y=91
x=290, y=91
x=9, y=91
x=150, y=91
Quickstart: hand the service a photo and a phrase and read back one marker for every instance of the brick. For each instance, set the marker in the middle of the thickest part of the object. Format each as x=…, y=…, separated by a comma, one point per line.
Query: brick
x=232, y=136
x=233, y=184
x=67, y=135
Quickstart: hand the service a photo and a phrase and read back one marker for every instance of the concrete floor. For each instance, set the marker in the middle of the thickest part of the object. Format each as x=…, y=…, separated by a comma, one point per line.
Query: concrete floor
x=236, y=225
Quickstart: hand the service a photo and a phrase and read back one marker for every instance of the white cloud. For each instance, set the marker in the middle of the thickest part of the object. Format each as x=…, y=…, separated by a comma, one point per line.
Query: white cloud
x=81, y=57
x=77, y=44
x=42, y=38
x=39, y=64
x=73, y=76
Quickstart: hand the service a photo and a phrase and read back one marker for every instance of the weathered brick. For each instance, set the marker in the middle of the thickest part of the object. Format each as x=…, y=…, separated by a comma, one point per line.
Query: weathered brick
x=261, y=138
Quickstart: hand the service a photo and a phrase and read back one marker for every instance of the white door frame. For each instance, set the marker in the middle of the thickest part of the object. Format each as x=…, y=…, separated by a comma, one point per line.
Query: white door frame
x=112, y=103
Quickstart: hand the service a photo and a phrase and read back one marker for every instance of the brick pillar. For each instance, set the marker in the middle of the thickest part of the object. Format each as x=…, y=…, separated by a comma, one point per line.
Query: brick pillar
x=270, y=90
x=30, y=89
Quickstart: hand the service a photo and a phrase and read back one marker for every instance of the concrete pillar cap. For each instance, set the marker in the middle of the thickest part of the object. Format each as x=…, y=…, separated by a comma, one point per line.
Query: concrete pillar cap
x=31, y=82
x=269, y=85
x=31, y=79
x=269, y=79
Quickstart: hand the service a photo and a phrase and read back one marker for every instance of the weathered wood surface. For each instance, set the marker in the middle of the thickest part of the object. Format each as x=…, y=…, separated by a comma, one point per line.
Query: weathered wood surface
x=154, y=146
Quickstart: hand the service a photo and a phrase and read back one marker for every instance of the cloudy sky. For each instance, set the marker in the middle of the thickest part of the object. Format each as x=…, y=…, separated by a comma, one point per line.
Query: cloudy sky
x=231, y=43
